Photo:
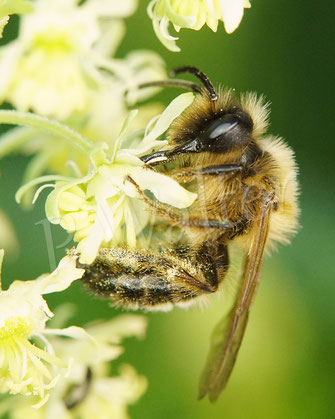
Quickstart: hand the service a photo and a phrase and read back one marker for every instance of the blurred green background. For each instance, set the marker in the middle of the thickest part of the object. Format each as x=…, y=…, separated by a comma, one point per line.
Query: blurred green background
x=285, y=368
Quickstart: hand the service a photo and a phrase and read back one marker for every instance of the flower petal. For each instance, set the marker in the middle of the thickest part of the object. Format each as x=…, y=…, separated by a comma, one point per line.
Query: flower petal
x=61, y=278
x=173, y=110
x=232, y=12
x=181, y=20
x=74, y=332
x=89, y=246
x=120, y=327
x=162, y=33
x=164, y=188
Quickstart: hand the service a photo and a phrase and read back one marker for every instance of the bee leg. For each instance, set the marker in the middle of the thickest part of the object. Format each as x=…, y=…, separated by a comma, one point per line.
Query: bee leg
x=185, y=175
x=143, y=279
x=152, y=156
x=176, y=216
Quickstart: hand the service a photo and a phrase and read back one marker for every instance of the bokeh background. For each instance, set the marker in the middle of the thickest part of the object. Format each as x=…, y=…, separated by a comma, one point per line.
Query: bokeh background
x=285, y=368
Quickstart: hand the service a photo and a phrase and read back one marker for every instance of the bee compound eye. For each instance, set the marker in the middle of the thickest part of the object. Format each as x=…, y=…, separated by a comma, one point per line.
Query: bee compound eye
x=221, y=126
x=226, y=132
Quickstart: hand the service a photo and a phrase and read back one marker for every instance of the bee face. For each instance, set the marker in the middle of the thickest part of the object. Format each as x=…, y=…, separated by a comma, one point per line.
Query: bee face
x=226, y=131
x=247, y=194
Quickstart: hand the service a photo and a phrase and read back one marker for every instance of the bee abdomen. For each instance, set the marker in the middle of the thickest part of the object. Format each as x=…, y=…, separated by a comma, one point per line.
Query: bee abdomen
x=133, y=292
x=149, y=283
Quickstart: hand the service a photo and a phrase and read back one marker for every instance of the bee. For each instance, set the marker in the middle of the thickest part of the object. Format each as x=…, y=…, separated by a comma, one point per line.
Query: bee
x=247, y=189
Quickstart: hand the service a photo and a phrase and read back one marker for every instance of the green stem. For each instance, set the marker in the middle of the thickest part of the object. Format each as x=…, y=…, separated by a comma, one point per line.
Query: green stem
x=54, y=127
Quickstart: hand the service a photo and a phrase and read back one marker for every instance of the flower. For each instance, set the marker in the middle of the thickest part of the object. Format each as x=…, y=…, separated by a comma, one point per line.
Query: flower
x=102, y=119
x=102, y=208
x=193, y=14
x=50, y=153
x=86, y=389
x=109, y=105
x=62, y=65
x=9, y=8
x=52, y=67
x=25, y=367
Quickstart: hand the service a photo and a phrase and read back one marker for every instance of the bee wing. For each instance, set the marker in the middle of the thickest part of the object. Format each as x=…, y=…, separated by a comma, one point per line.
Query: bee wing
x=228, y=333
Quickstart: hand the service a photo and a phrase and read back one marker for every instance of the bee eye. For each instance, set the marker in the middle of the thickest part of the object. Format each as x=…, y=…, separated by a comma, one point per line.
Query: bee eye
x=218, y=135
x=221, y=126
x=226, y=132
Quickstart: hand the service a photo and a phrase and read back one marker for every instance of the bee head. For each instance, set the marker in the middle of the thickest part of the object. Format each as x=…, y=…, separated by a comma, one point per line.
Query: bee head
x=226, y=132
x=211, y=124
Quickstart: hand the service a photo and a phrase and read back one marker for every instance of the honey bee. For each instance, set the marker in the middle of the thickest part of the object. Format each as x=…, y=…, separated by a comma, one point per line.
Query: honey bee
x=247, y=194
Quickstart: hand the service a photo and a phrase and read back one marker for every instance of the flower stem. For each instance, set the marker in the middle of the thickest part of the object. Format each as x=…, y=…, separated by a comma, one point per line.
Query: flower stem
x=51, y=126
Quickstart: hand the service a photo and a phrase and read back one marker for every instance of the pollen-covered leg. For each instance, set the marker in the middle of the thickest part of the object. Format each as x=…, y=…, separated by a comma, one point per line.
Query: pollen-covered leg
x=187, y=174
x=181, y=218
x=142, y=279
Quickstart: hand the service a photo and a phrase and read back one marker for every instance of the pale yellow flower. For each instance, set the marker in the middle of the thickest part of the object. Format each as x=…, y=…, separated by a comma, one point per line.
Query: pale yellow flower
x=194, y=14
x=62, y=65
x=87, y=390
x=103, y=209
x=100, y=122
x=52, y=67
x=28, y=364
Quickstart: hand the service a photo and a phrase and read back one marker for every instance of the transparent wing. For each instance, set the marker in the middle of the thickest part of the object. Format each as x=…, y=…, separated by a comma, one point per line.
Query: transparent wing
x=228, y=333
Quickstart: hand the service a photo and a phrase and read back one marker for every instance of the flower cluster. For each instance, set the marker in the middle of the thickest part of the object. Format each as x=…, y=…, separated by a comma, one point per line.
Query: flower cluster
x=52, y=66
x=37, y=361
x=193, y=14
x=88, y=390
x=85, y=389
x=25, y=367
x=62, y=65
x=102, y=208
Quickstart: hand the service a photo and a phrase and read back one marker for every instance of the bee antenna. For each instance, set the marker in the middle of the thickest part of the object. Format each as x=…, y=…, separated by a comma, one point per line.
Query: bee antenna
x=201, y=76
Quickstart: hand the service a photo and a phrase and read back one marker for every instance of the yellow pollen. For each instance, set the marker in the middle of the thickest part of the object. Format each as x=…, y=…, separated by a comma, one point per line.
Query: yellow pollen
x=53, y=41
x=16, y=326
